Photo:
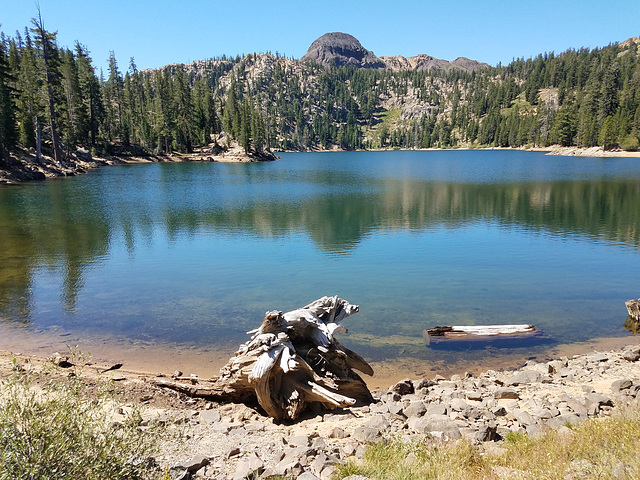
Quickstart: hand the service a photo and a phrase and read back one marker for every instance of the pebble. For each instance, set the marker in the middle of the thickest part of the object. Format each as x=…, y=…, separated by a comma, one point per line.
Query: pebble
x=482, y=409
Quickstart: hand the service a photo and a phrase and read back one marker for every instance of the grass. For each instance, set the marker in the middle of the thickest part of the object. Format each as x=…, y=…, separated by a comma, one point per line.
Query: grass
x=605, y=448
x=62, y=430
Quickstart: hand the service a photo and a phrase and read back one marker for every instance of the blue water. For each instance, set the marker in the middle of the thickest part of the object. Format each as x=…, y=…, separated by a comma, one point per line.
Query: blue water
x=195, y=253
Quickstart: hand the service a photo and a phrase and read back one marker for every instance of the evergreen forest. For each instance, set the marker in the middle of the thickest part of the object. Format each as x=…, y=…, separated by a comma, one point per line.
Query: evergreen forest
x=53, y=99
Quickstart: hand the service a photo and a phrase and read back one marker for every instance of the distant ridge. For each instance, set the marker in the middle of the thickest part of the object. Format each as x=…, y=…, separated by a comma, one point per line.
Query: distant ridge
x=340, y=49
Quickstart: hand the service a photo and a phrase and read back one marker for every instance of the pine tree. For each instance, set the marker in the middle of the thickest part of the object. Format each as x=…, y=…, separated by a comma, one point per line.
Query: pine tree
x=8, y=134
x=46, y=42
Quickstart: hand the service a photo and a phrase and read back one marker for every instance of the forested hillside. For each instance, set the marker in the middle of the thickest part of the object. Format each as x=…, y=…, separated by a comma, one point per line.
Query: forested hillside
x=51, y=95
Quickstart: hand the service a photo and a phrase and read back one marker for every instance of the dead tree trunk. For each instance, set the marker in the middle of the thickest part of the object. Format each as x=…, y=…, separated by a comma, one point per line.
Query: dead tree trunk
x=293, y=360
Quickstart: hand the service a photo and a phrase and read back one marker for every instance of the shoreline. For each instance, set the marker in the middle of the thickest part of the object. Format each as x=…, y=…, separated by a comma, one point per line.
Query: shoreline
x=24, y=167
x=223, y=440
x=147, y=358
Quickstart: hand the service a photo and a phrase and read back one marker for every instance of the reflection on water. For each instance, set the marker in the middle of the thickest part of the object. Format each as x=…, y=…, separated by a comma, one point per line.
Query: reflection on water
x=196, y=252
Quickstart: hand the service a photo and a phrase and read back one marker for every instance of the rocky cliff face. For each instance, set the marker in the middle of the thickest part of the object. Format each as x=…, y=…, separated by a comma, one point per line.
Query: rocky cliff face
x=344, y=49
x=341, y=49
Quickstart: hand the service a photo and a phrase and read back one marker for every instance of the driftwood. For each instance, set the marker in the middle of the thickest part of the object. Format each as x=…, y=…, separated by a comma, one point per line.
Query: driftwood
x=633, y=307
x=632, y=323
x=477, y=332
x=291, y=362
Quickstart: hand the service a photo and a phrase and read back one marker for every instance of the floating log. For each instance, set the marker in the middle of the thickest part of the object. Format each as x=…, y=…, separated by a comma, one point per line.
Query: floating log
x=291, y=362
x=633, y=307
x=471, y=333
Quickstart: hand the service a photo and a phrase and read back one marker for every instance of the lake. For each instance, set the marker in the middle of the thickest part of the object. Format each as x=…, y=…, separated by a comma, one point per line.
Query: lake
x=193, y=254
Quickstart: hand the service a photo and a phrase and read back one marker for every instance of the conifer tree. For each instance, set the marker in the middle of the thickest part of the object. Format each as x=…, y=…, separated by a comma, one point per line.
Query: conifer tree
x=48, y=52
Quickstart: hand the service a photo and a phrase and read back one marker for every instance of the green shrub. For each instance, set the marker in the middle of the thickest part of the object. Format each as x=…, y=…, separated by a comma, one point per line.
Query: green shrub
x=63, y=431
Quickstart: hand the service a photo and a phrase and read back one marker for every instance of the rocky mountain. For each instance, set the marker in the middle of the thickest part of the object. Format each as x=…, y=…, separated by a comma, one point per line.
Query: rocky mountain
x=341, y=49
x=344, y=49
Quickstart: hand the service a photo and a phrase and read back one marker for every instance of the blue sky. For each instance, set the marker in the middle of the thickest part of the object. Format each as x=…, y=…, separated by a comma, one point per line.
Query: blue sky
x=159, y=32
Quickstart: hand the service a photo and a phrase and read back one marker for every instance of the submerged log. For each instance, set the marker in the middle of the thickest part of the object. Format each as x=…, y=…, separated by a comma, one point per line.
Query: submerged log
x=291, y=362
x=477, y=332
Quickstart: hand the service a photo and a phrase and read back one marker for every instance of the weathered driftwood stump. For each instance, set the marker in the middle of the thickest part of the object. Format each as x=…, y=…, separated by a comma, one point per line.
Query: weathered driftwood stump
x=633, y=307
x=632, y=323
x=293, y=360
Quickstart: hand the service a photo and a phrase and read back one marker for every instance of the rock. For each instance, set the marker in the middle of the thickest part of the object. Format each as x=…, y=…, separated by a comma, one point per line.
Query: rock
x=247, y=466
x=378, y=422
x=366, y=434
x=403, y=387
x=505, y=392
x=474, y=395
x=487, y=432
x=415, y=409
x=299, y=441
x=622, y=384
x=436, y=409
x=458, y=405
x=341, y=49
x=196, y=463
x=632, y=353
x=329, y=472
x=566, y=372
x=338, y=432
x=209, y=416
x=61, y=361
x=435, y=423
x=307, y=476
x=524, y=377
x=499, y=411
x=422, y=383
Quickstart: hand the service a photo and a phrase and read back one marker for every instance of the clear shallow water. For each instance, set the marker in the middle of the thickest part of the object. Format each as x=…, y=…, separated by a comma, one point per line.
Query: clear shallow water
x=196, y=253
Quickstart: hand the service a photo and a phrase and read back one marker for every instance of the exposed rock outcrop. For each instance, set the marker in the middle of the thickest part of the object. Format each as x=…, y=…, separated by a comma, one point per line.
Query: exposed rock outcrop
x=341, y=49
x=344, y=49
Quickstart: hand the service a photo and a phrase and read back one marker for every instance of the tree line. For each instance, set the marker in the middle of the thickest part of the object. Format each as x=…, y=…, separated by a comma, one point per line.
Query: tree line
x=53, y=100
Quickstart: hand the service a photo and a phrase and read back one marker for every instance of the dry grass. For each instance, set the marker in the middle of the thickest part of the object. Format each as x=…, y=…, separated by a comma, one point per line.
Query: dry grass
x=604, y=448
x=63, y=430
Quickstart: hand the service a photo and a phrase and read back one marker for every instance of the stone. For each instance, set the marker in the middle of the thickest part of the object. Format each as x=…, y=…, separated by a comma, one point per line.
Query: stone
x=458, y=405
x=329, y=472
x=378, y=422
x=422, y=383
x=598, y=357
x=196, y=463
x=622, y=384
x=338, y=432
x=487, y=432
x=435, y=423
x=403, y=387
x=499, y=411
x=566, y=372
x=209, y=416
x=474, y=395
x=366, y=434
x=524, y=377
x=504, y=392
x=250, y=465
x=299, y=441
x=436, y=409
x=415, y=409
x=307, y=476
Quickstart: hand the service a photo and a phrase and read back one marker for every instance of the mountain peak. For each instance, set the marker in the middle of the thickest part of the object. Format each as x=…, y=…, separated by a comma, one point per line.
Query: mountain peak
x=341, y=49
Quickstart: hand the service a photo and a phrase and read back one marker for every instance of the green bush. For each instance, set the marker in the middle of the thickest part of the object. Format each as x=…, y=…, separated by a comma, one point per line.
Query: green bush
x=64, y=431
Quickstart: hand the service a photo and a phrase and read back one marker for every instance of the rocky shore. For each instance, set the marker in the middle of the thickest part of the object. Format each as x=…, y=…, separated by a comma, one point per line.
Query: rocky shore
x=24, y=167
x=233, y=441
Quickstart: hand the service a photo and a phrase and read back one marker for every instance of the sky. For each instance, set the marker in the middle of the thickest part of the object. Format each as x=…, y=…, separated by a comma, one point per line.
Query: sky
x=161, y=32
